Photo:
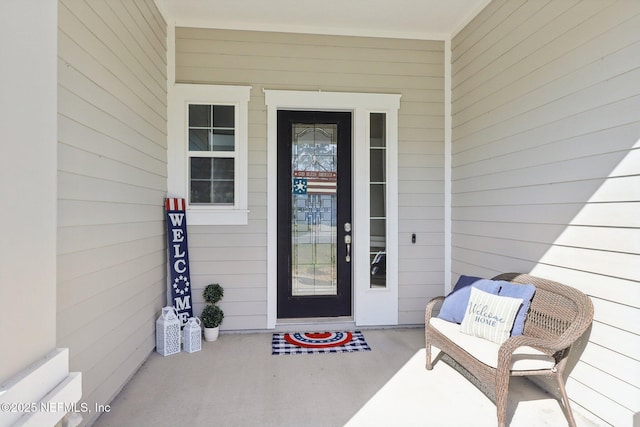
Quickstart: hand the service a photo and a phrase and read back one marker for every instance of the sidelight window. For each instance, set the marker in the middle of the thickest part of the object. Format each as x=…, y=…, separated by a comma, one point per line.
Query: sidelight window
x=377, y=200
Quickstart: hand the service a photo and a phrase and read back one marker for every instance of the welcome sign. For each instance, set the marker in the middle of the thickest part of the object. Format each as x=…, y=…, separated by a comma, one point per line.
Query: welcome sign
x=180, y=283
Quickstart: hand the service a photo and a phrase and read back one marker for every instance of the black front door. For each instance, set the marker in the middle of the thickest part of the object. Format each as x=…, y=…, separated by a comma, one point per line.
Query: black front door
x=314, y=214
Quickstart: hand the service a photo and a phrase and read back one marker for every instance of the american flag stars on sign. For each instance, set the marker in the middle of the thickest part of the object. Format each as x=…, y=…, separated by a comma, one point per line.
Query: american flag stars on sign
x=181, y=282
x=299, y=186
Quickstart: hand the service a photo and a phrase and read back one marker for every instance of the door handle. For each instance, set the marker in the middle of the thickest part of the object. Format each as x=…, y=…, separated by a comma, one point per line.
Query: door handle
x=347, y=241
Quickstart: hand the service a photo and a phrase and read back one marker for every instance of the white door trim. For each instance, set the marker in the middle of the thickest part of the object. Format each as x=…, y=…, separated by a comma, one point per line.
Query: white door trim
x=371, y=306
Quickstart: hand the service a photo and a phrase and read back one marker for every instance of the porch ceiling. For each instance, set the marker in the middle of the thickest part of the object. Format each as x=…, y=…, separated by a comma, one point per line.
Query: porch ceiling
x=418, y=19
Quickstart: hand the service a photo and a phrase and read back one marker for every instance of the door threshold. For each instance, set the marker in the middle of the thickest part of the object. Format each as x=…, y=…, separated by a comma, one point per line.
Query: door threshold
x=315, y=324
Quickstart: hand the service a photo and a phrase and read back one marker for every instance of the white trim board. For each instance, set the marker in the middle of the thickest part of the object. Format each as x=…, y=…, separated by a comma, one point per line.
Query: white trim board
x=371, y=306
x=47, y=388
x=447, y=165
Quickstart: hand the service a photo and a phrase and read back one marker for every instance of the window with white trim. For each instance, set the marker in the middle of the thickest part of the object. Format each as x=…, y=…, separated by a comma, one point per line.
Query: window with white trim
x=208, y=146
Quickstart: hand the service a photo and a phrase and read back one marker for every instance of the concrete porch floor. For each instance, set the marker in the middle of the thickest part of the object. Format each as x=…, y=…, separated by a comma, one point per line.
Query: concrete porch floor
x=235, y=381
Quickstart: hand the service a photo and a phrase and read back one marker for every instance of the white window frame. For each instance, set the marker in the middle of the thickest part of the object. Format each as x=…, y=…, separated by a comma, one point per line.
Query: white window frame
x=178, y=149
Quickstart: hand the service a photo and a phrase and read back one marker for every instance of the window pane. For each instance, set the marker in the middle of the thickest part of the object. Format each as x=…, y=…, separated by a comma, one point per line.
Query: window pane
x=378, y=234
x=200, y=191
x=199, y=115
x=378, y=253
x=223, y=168
x=198, y=140
x=377, y=129
x=376, y=166
x=200, y=168
x=377, y=201
x=223, y=116
x=223, y=140
x=223, y=192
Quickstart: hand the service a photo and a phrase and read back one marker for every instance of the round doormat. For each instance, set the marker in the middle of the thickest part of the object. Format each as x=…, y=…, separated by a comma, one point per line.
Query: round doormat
x=318, y=342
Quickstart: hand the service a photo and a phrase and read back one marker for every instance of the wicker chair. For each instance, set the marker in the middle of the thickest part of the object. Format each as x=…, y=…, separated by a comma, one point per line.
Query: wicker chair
x=558, y=316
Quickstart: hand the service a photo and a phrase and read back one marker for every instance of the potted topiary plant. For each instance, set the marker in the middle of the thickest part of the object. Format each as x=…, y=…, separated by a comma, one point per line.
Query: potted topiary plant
x=212, y=315
x=213, y=293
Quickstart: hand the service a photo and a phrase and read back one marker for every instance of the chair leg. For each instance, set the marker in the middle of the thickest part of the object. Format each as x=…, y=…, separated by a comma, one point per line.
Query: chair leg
x=565, y=400
x=502, y=390
x=501, y=408
x=428, y=351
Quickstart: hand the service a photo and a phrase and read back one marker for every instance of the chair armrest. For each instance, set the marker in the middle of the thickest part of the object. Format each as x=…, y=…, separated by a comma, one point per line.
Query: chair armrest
x=550, y=346
x=431, y=305
x=510, y=345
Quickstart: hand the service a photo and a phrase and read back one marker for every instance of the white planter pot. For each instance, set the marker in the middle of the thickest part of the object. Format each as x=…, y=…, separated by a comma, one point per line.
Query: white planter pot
x=211, y=334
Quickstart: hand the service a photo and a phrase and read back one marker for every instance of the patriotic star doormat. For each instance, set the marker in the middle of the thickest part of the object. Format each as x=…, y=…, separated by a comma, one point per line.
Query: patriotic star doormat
x=318, y=342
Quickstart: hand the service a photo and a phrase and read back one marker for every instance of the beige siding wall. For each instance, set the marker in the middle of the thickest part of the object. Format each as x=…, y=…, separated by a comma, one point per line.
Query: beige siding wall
x=111, y=185
x=546, y=128
x=236, y=257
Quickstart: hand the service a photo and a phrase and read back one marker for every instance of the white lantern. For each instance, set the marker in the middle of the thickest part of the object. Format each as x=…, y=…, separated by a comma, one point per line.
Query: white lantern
x=168, y=332
x=192, y=335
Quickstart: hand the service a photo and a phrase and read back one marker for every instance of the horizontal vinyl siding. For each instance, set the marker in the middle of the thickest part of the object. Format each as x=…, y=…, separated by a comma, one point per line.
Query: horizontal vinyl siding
x=236, y=256
x=546, y=170
x=111, y=184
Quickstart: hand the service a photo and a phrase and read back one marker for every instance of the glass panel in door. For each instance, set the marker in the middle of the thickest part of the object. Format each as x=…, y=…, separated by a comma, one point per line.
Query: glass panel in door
x=314, y=209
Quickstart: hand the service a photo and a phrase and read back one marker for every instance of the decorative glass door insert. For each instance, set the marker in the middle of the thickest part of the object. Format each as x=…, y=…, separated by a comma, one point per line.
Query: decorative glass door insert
x=314, y=209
